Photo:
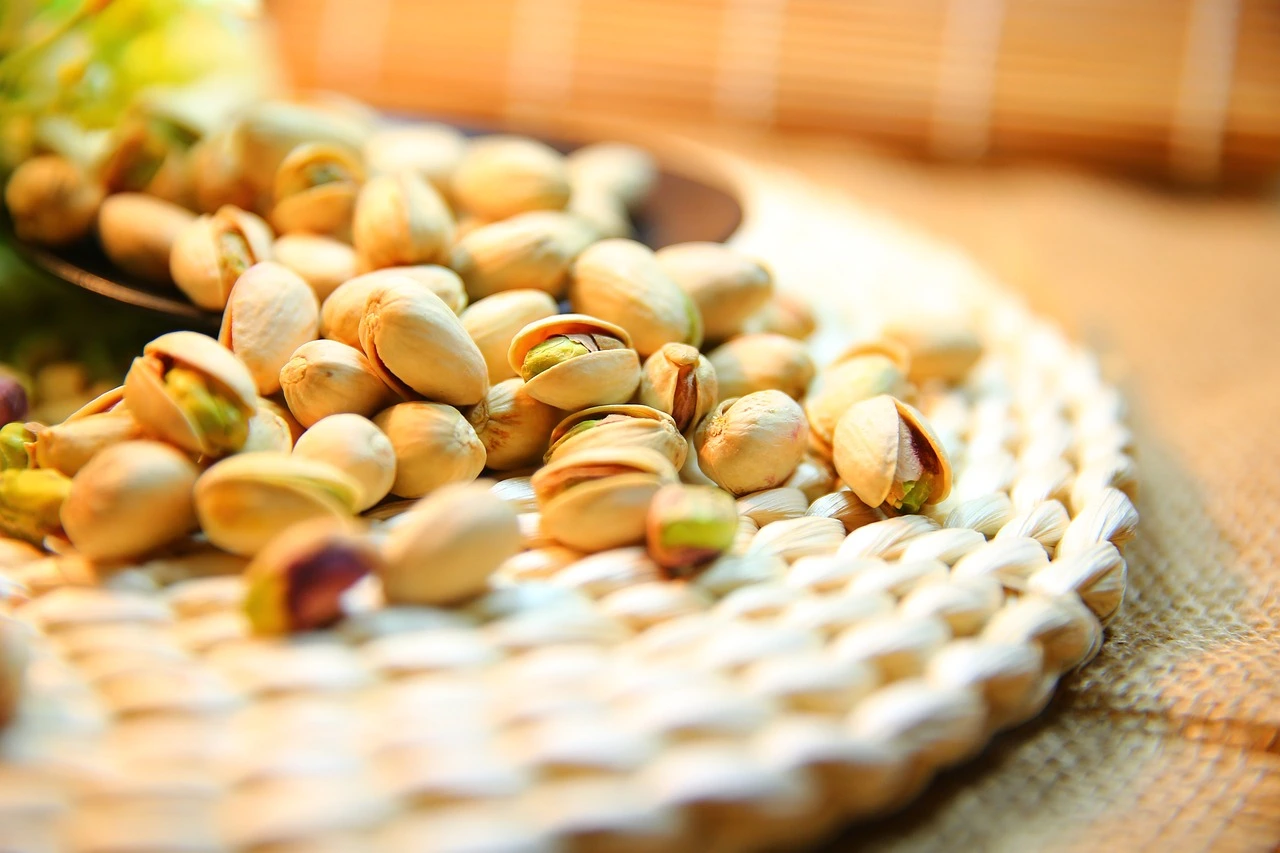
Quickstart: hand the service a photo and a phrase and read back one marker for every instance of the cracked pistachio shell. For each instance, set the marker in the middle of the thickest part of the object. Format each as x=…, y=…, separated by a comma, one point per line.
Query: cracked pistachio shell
x=244, y=501
x=355, y=445
x=784, y=314
x=938, y=348
x=267, y=131
x=680, y=381
x=221, y=375
x=131, y=499
x=688, y=526
x=417, y=345
x=594, y=378
x=625, y=425
x=625, y=172
x=761, y=362
x=432, y=150
x=447, y=546
x=400, y=220
x=270, y=313
x=441, y=281
x=856, y=376
x=434, y=445
x=599, y=498
x=68, y=446
x=530, y=251
x=268, y=430
x=887, y=453
x=621, y=281
x=727, y=286
x=515, y=429
x=51, y=201
x=213, y=251
x=501, y=176
x=323, y=262
x=326, y=378
x=752, y=443
x=493, y=322
x=138, y=233
x=315, y=190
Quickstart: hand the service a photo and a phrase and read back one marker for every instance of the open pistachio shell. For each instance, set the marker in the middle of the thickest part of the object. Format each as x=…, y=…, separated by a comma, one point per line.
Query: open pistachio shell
x=430, y=149
x=107, y=401
x=267, y=131
x=51, y=201
x=270, y=313
x=400, y=220
x=323, y=262
x=759, y=362
x=515, y=428
x=727, y=286
x=688, y=526
x=315, y=190
x=887, y=453
x=213, y=251
x=493, y=322
x=138, y=233
x=68, y=446
x=325, y=378
x=680, y=381
x=858, y=375
x=434, y=445
x=530, y=251
x=583, y=376
x=441, y=281
x=501, y=176
x=354, y=445
x=752, y=443
x=624, y=425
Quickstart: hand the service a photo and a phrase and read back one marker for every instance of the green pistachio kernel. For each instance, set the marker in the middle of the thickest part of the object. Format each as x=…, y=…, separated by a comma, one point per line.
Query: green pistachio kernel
x=914, y=495
x=30, y=502
x=13, y=451
x=551, y=352
x=222, y=424
x=318, y=174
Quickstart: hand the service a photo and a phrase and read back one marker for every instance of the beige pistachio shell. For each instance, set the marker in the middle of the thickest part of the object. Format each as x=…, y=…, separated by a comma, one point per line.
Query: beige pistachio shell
x=354, y=445
x=501, y=176
x=413, y=341
x=593, y=379
x=625, y=425
x=441, y=281
x=434, y=445
x=529, y=251
x=882, y=446
x=268, y=430
x=752, y=443
x=622, y=282
x=341, y=313
x=784, y=314
x=107, y=401
x=280, y=408
x=939, y=348
x=315, y=190
x=129, y=500
x=400, y=220
x=601, y=210
x=326, y=378
x=270, y=313
x=430, y=149
x=218, y=175
x=727, y=286
x=857, y=376
x=761, y=362
x=493, y=322
x=138, y=233
x=68, y=446
x=625, y=172
x=323, y=262
x=213, y=251
x=267, y=131
x=51, y=201
x=515, y=429
x=246, y=500
x=680, y=381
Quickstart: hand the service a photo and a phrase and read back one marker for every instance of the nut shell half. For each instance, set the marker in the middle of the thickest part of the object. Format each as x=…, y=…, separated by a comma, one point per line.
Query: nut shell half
x=594, y=379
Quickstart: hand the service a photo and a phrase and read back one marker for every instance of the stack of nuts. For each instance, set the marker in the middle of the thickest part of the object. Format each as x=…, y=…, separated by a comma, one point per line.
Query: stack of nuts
x=395, y=327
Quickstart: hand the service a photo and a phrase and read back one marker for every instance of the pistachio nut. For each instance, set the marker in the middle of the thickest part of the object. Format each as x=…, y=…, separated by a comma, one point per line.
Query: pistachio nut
x=191, y=392
x=268, y=430
x=939, y=347
x=356, y=446
x=15, y=440
x=270, y=313
x=618, y=426
x=415, y=343
x=887, y=453
x=689, y=526
x=501, y=176
x=678, y=380
x=150, y=152
x=323, y=262
x=267, y=131
x=138, y=233
x=13, y=398
x=326, y=378
x=400, y=220
x=621, y=281
x=213, y=251
x=315, y=190
x=859, y=375
x=441, y=281
x=434, y=445
x=448, y=545
x=279, y=407
x=430, y=149
x=528, y=251
x=598, y=498
x=14, y=656
x=244, y=501
x=51, y=201
x=516, y=428
x=601, y=210
x=68, y=446
x=761, y=362
x=296, y=582
x=752, y=443
x=784, y=314
x=342, y=311
x=625, y=172
x=218, y=174
x=572, y=361
x=30, y=500
x=728, y=286
x=493, y=322
x=131, y=499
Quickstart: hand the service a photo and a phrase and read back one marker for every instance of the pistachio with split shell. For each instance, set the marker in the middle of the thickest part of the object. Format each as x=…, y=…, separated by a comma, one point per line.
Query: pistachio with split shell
x=625, y=172
x=355, y=445
x=30, y=500
x=689, y=526
x=297, y=581
x=191, y=392
x=862, y=372
x=447, y=546
x=887, y=453
x=138, y=233
x=573, y=361
x=130, y=500
x=529, y=251
x=267, y=131
x=68, y=446
x=784, y=314
x=430, y=149
x=434, y=445
x=211, y=253
x=268, y=430
x=761, y=362
x=315, y=190
x=326, y=378
x=618, y=426
x=244, y=501
x=493, y=322
x=323, y=262
x=752, y=443
x=678, y=380
x=727, y=286
x=501, y=176
x=400, y=220
x=514, y=428
x=15, y=438
x=150, y=152
x=598, y=498
x=51, y=200
x=441, y=281
x=270, y=313
x=416, y=344
x=622, y=282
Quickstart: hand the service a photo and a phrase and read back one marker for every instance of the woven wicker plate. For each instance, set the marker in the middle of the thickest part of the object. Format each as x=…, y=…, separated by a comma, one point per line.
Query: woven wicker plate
x=779, y=696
